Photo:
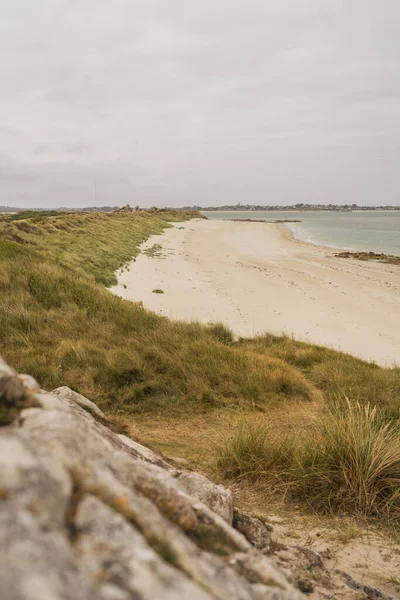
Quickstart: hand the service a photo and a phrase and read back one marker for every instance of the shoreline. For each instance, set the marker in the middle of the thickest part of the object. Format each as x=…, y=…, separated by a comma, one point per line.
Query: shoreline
x=340, y=250
x=316, y=245
x=307, y=241
x=304, y=211
x=257, y=277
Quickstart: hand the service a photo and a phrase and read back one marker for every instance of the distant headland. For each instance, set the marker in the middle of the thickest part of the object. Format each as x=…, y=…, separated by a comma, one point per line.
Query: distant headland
x=292, y=207
x=227, y=207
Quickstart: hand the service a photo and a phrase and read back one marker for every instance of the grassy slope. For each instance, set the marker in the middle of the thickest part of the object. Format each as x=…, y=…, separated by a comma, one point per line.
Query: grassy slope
x=96, y=243
x=58, y=323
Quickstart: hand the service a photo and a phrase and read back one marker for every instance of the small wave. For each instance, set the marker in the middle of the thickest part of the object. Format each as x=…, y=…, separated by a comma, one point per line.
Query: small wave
x=306, y=236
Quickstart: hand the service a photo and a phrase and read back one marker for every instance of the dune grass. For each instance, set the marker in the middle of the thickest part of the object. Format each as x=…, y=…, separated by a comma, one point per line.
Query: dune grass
x=59, y=323
x=347, y=462
x=336, y=374
x=354, y=463
x=96, y=243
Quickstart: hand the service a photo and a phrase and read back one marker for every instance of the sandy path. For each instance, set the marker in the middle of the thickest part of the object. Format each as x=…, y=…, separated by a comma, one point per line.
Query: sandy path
x=255, y=277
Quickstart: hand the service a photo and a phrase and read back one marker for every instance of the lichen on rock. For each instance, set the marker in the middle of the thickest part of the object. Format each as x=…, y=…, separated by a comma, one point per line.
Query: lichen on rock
x=86, y=514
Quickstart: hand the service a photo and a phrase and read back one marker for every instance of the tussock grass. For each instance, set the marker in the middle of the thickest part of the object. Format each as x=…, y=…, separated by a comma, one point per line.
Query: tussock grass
x=254, y=452
x=348, y=463
x=355, y=465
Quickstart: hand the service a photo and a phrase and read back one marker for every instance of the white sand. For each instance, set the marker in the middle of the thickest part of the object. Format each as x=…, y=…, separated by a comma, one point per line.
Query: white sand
x=255, y=277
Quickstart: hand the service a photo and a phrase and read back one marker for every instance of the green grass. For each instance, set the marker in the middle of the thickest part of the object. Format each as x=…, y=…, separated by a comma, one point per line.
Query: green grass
x=59, y=323
x=158, y=291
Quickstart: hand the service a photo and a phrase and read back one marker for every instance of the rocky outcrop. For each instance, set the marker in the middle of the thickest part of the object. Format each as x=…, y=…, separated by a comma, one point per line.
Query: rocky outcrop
x=88, y=514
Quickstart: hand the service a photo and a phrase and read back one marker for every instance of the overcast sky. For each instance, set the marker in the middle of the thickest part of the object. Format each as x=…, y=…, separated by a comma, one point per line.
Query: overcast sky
x=175, y=102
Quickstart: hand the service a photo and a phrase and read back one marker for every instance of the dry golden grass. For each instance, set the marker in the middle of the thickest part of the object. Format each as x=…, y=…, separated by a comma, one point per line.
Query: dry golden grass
x=355, y=465
x=347, y=461
x=194, y=441
x=335, y=374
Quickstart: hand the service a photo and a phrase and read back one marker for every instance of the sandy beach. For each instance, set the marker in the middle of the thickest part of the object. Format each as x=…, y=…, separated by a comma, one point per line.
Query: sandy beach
x=255, y=277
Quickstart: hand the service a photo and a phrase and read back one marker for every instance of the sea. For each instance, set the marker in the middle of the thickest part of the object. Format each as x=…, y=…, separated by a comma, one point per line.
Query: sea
x=377, y=231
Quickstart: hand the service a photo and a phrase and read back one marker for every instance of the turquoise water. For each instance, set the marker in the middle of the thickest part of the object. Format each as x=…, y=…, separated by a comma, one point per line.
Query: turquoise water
x=376, y=231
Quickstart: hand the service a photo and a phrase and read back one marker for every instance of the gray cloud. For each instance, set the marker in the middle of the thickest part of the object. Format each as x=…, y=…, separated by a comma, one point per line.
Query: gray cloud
x=179, y=102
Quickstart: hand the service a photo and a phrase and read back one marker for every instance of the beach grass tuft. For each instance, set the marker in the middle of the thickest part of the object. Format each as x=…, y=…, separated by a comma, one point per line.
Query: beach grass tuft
x=347, y=463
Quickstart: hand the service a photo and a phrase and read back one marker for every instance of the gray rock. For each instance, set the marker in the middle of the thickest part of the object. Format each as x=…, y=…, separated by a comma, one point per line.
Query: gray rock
x=313, y=557
x=144, y=452
x=66, y=393
x=254, y=530
x=216, y=497
x=84, y=514
x=120, y=556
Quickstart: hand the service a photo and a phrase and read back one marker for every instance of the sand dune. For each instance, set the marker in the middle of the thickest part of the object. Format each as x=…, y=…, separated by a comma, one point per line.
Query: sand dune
x=255, y=277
